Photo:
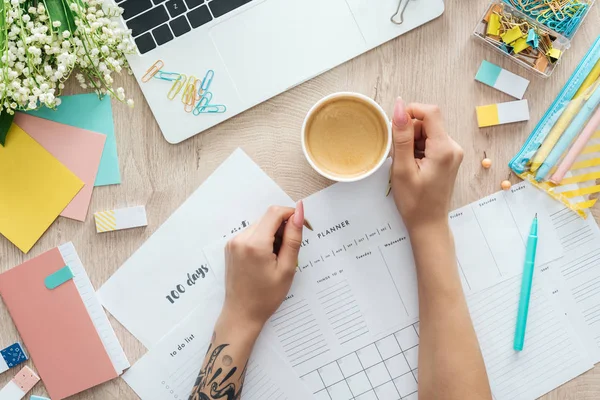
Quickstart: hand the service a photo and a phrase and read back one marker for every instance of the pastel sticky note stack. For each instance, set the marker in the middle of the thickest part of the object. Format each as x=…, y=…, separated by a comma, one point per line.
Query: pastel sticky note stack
x=124, y=218
x=12, y=356
x=502, y=113
x=18, y=386
x=502, y=80
x=87, y=111
x=60, y=328
x=34, y=189
x=78, y=149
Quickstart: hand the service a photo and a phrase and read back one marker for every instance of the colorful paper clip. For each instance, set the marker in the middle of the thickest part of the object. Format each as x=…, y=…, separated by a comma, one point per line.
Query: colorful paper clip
x=153, y=70
x=207, y=80
x=176, y=88
x=204, y=101
x=188, y=96
x=167, y=76
x=213, y=109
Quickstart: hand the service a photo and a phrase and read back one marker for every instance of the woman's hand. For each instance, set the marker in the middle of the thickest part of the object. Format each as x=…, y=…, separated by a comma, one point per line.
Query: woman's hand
x=256, y=279
x=426, y=162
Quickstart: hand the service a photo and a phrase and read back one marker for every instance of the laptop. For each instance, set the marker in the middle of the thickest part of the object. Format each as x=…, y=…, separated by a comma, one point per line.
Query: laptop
x=256, y=48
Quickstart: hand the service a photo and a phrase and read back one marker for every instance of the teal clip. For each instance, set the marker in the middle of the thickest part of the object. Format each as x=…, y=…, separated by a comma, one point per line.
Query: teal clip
x=167, y=76
x=59, y=277
x=207, y=81
x=213, y=109
x=532, y=39
x=203, y=102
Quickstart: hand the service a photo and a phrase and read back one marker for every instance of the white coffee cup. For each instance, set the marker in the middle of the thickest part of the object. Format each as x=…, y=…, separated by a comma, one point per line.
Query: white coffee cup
x=375, y=107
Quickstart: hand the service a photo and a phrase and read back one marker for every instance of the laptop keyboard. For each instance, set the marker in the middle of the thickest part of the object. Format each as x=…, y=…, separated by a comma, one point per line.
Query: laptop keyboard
x=156, y=22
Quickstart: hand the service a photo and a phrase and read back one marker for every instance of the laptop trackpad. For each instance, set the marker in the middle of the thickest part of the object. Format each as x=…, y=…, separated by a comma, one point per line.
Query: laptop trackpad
x=280, y=43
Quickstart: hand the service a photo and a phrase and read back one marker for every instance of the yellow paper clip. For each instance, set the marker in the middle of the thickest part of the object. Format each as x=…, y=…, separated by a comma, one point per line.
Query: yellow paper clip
x=511, y=35
x=493, y=27
x=520, y=44
x=176, y=88
x=153, y=70
x=553, y=54
x=188, y=94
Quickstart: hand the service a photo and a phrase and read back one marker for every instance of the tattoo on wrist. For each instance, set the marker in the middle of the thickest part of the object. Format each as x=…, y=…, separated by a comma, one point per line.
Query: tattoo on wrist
x=216, y=384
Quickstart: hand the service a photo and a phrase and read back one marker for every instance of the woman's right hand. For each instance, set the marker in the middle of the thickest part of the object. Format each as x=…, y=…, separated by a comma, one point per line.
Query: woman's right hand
x=425, y=165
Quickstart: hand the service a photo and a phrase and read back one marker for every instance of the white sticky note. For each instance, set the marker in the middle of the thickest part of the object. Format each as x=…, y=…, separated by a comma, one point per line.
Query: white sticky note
x=123, y=218
x=513, y=111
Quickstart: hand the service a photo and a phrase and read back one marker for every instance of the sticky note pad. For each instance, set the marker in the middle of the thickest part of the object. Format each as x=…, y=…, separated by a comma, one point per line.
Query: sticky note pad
x=18, y=386
x=34, y=189
x=502, y=113
x=502, y=80
x=124, y=218
x=78, y=149
x=87, y=111
x=12, y=356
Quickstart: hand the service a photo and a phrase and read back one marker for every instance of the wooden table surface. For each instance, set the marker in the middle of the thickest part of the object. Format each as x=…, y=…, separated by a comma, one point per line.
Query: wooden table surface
x=435, y=63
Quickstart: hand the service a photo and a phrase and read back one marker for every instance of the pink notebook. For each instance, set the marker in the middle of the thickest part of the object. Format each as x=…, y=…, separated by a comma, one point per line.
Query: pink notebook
x=55, y=325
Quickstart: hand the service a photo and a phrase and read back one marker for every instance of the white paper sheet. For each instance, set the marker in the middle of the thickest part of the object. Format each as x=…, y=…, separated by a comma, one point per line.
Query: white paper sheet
x=92, y=304
x=169, y=370
x=350, y=321
x=578, y=272
x=167, y=277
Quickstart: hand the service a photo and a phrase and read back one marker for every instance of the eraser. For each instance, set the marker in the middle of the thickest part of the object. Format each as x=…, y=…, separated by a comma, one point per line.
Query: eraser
x=12, y=356
x=502, y=113
x=18, y=387
x=124, y=218
x=59, y=277
x=502, y=80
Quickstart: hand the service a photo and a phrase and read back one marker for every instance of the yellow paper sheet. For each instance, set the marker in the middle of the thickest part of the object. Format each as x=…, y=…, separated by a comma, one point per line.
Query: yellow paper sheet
x=34, y=188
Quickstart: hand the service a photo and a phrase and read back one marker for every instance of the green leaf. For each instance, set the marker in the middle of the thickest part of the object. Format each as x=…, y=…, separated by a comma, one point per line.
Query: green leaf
x=59, y=10
x=3, y=26
x=5, y=122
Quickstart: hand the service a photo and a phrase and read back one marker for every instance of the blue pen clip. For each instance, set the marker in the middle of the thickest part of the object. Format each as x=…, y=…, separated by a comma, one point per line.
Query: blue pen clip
x=207, y=81
x=203, y=102
x=167, y=76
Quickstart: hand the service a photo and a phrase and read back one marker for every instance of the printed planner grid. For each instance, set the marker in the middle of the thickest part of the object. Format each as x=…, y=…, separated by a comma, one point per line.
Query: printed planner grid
x=384, y=370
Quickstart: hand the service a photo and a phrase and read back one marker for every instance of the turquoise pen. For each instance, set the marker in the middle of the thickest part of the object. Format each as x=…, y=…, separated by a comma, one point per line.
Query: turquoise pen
x=526, y=286
x=578, y=123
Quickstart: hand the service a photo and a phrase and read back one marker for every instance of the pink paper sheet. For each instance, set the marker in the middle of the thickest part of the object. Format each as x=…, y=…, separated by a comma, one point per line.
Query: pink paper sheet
x=56, y=328
x=78, y=149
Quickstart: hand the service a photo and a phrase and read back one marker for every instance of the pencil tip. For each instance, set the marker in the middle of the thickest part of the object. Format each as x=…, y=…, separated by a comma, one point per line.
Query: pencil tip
x=535, y=215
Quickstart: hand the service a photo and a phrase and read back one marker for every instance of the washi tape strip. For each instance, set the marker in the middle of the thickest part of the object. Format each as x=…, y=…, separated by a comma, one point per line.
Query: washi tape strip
x=12, y=356
x=502, y=80
x=503, y=113
x=56, y=279
x=18, y=386
x=124, y=218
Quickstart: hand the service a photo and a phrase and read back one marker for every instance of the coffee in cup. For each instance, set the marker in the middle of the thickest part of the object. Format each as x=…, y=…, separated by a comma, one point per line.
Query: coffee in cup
x=346, y=137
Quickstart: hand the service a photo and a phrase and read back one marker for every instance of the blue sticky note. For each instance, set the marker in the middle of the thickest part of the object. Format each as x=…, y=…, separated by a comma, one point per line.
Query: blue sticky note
x=488, y=73
x=59, y=277
x=13, y=355
x=87, y=111
x=532, y=39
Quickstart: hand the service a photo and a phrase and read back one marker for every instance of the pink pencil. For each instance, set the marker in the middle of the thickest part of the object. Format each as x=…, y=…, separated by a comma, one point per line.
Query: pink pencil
x=577, y=148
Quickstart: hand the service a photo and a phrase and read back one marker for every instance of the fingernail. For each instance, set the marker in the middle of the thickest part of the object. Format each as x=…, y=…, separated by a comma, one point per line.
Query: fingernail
x=298, y=218
x=400, y=114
